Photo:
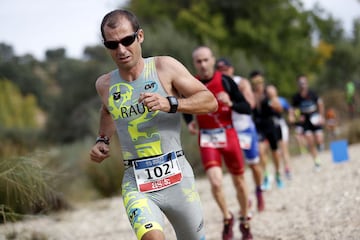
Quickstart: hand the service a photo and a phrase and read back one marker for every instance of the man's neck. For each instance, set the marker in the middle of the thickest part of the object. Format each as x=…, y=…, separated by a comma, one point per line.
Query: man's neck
x=132, y=73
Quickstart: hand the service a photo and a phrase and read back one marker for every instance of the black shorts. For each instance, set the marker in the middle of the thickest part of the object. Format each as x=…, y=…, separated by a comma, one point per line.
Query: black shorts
x=271, y=136
x=309, y=127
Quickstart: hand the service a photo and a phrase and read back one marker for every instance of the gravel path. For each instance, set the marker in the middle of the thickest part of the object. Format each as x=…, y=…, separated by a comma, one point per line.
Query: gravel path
x=313, y=206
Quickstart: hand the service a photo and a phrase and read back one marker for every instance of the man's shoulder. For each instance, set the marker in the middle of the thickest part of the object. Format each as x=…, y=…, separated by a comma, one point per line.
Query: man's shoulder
x=103, y=78
x=162, y=59
x=103, y=83
x=165, y=63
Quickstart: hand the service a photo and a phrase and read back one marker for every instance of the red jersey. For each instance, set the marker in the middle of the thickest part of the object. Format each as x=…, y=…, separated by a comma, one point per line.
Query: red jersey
x=220, y=118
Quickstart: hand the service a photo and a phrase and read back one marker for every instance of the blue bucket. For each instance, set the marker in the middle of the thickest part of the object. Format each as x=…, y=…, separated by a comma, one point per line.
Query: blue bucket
x=339, y=151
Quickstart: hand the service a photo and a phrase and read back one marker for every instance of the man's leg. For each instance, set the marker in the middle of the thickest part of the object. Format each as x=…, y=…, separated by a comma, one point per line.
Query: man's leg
x=241, y=193
x=243, y=198
x=215, y=177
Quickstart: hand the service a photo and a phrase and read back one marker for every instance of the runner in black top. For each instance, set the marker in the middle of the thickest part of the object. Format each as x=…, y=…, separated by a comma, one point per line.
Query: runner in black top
x=312, y=118
x=267, y=107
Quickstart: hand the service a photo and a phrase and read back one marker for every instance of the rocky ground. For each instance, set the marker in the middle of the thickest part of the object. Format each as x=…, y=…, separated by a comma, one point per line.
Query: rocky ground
x=312, y=206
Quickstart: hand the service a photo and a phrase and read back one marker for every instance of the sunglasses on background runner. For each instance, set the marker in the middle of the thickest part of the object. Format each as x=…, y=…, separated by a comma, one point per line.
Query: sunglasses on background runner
x=126, y=41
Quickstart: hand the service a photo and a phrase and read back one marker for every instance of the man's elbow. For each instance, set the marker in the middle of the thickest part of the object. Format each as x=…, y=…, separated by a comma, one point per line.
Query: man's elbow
x=211, y=104
x=214, y=105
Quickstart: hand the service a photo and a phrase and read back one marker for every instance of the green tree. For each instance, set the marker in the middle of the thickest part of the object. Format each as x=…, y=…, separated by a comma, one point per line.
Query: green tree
x=55, y=54
x=17, y=111
x=22, y=71
x=274, y=33
x=6, y=52
x=157, y=42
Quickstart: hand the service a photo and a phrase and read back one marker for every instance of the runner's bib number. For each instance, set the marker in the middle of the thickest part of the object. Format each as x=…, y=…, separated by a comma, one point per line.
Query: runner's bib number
x=157, y=173
x=315, y=119
x=245, y=140
x=213, y=138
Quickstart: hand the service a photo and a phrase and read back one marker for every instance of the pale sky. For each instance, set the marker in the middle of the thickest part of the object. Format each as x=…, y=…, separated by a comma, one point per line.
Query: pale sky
x=34, y=26
x=38, y=25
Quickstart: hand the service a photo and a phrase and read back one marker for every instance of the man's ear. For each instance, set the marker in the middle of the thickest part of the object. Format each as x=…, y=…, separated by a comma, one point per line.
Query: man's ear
x=140, y=36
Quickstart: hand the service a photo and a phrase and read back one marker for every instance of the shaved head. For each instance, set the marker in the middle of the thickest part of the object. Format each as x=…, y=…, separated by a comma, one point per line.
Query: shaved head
x=204, y=62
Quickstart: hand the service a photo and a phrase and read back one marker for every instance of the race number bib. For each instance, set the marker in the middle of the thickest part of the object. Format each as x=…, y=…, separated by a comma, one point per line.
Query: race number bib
x=315, y=119
x=245, y=140
x=213, y=138
x=157, y=173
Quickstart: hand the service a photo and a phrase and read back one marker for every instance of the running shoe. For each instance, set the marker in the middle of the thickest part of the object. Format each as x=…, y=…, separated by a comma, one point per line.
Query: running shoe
x=245, y=231
x=228, y=233
x=317, y=166
x=266, y=183
x=260, y=200
x=279, y=182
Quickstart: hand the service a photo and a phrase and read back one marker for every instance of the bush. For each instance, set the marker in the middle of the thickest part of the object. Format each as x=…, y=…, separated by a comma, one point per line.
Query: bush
x=17, y=142
x=26, y=187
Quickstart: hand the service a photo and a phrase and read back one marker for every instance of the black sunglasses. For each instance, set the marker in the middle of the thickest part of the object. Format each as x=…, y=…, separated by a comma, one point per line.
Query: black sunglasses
x=126, y=41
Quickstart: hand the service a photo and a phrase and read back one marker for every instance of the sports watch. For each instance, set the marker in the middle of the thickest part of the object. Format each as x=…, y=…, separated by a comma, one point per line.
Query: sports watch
x=173, y=103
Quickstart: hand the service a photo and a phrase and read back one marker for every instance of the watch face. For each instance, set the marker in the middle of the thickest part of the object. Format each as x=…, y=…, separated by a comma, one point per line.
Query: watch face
x=173, y=104
x=173, y=101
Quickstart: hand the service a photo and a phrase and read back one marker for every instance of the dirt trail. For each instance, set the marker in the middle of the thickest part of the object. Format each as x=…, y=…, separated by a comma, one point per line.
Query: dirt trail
x=313, y=206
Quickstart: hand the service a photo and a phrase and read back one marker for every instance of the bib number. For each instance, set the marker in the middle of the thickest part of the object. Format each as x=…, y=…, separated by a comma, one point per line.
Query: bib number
x=245, y=141
x=213, y=138
x=315, y=119
x=157, y=173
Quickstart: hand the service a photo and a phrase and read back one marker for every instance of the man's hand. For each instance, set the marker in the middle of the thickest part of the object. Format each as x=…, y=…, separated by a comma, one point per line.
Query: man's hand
x=224, y=98
x=192, y=127
x=99, y=152
x=154, y=102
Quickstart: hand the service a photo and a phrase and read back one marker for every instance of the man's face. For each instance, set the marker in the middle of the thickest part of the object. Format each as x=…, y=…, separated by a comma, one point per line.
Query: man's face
x=204, y=62
x=302, y=83
x=124, y=56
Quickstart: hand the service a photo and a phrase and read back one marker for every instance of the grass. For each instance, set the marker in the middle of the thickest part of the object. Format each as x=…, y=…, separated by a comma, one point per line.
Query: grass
x=25, y=186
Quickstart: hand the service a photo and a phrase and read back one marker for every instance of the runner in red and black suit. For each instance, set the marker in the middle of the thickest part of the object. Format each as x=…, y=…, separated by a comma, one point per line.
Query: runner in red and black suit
x=218, y=139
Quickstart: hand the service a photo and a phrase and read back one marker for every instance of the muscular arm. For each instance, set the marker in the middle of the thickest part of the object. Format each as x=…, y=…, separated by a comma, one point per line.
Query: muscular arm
x=107, y=126
x=193, y=96
x=100, y=151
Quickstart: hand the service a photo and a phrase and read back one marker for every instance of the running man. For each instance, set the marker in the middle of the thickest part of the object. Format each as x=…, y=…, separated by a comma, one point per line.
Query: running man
x=283, y=133
x=312, y=118
x=267, y=108
x=141, y=100
x=218, y=140
x=245, y=129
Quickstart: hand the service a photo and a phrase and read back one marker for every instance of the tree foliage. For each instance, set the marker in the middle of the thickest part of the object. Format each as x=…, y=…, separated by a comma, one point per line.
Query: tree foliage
x=17, y=111
x=277, y=33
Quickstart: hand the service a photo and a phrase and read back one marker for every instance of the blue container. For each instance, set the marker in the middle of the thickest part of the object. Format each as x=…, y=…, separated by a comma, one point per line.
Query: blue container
x=339, y=151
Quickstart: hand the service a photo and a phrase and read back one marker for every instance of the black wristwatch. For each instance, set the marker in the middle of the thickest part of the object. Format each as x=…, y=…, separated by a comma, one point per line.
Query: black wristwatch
x=173, y=104
x=103, y=139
